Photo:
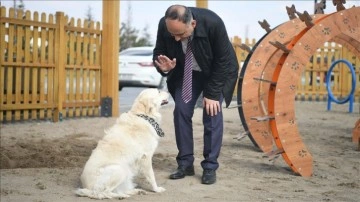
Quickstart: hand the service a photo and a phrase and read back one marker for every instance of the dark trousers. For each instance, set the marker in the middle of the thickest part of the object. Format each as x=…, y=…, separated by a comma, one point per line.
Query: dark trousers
x=213, y=128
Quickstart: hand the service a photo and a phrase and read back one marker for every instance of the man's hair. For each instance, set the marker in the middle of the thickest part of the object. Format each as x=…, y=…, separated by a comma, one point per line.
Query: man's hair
x=179, y=12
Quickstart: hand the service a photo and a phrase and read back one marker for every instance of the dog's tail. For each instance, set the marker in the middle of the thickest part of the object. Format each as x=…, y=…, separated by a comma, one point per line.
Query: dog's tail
x=99, y=195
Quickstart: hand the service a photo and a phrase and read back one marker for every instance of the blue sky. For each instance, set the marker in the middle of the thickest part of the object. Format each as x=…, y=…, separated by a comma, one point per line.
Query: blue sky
x=240, y=17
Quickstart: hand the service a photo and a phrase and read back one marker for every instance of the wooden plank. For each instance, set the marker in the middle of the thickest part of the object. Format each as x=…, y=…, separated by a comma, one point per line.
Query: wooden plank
x=110, y=53
x=31, y=106
x=81, y=104
x=93, y=67
x=345, y=80
x=2, y=60
x=43, y=72
x=9, y=85
x=34, y=71
x=77, y=91
x=97, y=90
x=82, y=29
x=50, y=71
x=22, y=97
x=85, y=49
x=85, y=72
x=78, y=71
x=91, y=45
x=97, y=61
x=71, y=98
x=60, y=58
x=91, y=71
x=70, y=69
x=85, y=93
x=91, y=90
x=24, y=22
x=29, y=65
x=19, y=54
x=27, y=70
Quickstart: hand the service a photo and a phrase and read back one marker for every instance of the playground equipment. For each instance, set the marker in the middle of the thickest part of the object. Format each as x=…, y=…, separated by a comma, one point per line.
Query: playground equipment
x=350, y=97
x=272, y=70
x=259, y=68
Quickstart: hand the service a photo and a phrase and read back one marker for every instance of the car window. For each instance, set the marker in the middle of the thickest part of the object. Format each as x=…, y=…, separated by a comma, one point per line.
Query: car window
x=137, y=52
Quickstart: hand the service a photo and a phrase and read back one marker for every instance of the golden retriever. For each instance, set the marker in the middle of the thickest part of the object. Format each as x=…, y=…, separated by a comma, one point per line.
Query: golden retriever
x=126, y=151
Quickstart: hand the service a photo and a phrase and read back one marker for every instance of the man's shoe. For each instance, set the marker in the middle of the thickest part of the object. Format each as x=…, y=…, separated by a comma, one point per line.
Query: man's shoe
x=182, y=171
x=208, y=177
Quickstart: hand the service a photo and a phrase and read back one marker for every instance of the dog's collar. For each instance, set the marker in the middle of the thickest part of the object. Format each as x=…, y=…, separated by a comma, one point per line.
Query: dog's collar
x=154, y=124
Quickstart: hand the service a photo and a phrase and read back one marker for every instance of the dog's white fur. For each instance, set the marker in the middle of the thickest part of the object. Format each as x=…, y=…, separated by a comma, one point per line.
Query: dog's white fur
x=125, y=151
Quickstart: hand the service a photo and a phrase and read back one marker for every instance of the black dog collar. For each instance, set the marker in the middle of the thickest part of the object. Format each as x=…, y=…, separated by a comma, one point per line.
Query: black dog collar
x=154, y=124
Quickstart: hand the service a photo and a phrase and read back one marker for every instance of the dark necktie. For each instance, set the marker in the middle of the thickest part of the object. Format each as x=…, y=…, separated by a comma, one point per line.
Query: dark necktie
x=187, y=80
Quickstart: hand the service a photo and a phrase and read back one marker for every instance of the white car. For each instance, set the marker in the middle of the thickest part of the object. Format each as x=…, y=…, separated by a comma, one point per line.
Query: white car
x=136, y=69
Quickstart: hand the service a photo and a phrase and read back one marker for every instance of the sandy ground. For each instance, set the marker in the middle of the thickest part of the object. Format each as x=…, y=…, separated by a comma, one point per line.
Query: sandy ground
x=42, y=161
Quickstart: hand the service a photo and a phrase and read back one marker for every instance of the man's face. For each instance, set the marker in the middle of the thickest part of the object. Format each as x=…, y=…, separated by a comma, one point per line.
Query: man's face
x=180, y=30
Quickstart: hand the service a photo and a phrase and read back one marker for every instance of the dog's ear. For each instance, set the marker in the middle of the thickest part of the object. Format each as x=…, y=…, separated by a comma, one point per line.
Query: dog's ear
x=138, y=105
x=149, y=106
x=144, y=104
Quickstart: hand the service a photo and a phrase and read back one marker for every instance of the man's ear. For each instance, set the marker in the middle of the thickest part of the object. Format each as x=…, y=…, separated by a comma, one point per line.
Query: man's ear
x=193, y=23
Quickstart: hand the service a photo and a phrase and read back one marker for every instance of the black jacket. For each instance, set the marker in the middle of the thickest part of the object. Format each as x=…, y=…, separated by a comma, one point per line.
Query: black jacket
x=212, y=50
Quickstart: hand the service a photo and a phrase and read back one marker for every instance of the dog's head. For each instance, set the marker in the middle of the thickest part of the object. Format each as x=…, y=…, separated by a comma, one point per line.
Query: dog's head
x=149, y=101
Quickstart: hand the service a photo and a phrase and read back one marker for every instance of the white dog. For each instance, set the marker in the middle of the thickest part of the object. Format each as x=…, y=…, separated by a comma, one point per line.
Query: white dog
x=125, y=151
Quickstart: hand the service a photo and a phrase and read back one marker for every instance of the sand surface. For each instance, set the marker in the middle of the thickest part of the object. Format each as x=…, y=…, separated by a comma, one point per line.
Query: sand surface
x=42, y=161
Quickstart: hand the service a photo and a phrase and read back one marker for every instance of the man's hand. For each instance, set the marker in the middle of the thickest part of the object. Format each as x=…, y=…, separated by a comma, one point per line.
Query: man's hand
x=164, y=63
x=212, y=106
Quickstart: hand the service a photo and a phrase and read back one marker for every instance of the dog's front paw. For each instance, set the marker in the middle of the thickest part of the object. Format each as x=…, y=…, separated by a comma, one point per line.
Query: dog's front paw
x=159, y=189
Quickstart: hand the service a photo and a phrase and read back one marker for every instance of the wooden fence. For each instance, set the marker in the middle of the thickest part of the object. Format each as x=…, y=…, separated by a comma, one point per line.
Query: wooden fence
x=313, y=83
x=50, y=67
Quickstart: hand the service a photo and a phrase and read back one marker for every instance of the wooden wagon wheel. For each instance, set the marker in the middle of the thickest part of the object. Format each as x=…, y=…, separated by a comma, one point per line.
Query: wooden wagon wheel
x=239, y=94
x=253, y=109
x=287, y=76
